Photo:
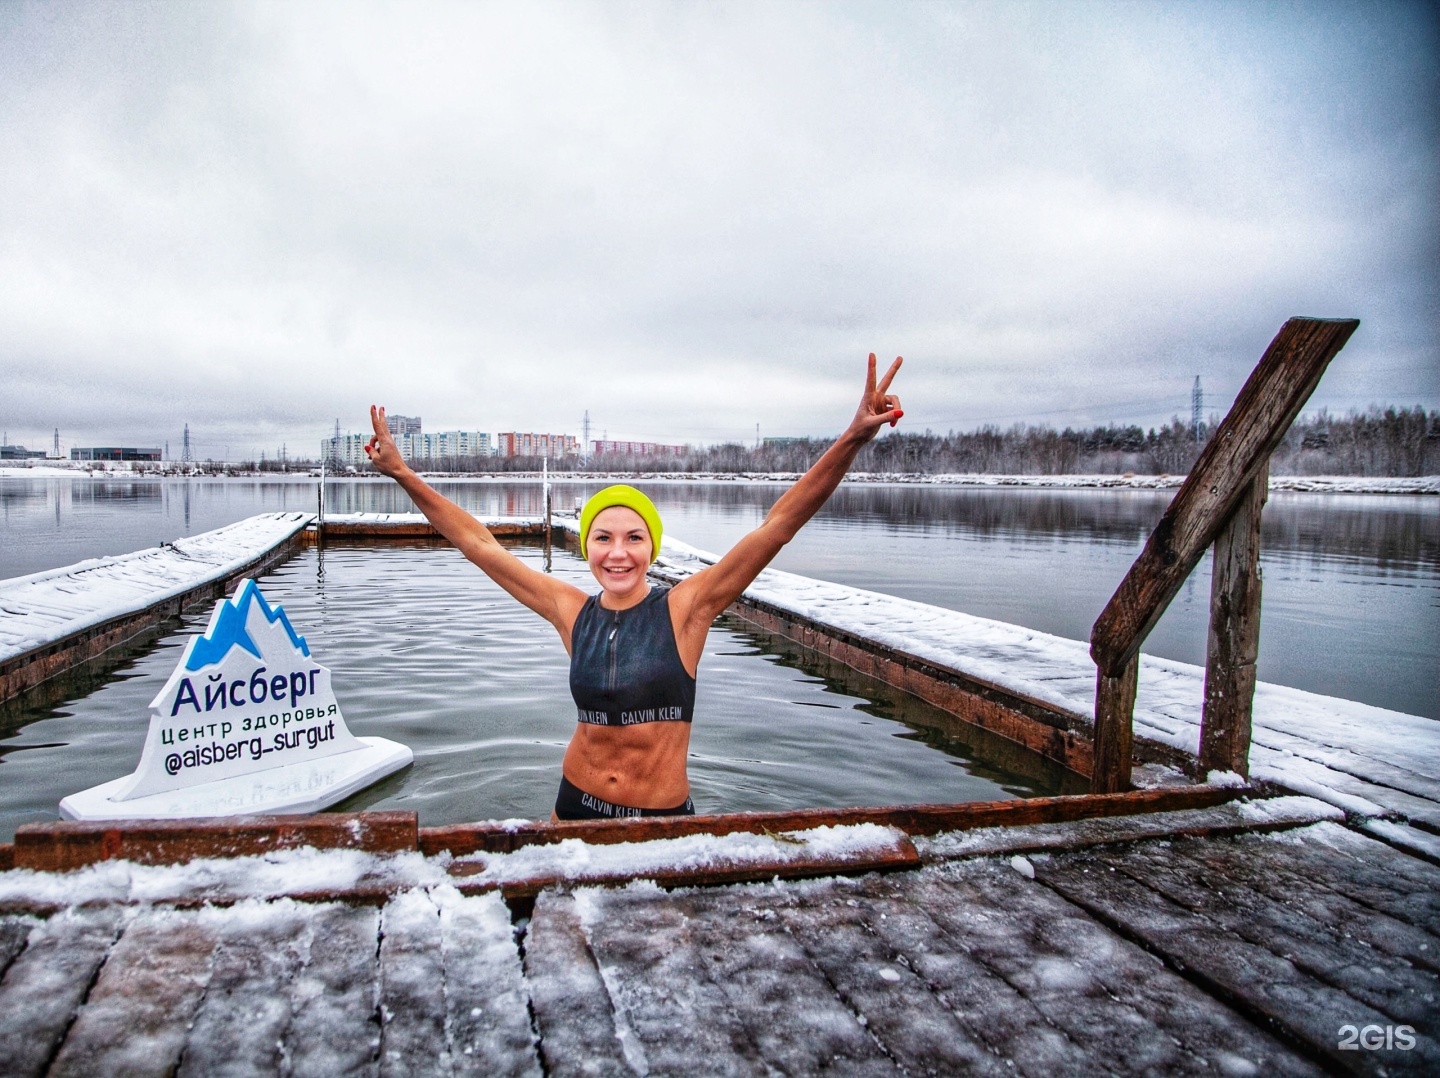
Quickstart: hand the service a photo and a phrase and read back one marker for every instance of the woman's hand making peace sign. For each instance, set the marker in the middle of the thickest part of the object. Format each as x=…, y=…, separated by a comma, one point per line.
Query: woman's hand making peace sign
x=381, y=449
x=877, y=407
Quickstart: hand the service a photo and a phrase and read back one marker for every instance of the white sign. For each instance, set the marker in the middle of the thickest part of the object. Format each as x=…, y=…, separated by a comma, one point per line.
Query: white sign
x=247, y=701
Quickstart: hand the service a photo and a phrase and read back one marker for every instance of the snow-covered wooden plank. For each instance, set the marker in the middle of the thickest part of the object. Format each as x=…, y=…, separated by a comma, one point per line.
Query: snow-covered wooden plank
x=390, y=526
x=1324, y=950
x=318, y=876
x=1354, y=760
x=1268, y=868
x=486, y=999
x=1410, y=839
x=1371, y=873
x=1105, y=994
x=659, y=986
x=1270, y=814
x=66, y=845
x=412, y=988
x=14, y=931
x=835, y=925
x=1267, y=987
x=780, y=1007
x=1355, y=795
x=47, y=982
x=335, y=1028
x=692, y=859
x=573, y=1012
x=506, y=836
x=989, y=1009
x=240, y=1026
x=136, y=1017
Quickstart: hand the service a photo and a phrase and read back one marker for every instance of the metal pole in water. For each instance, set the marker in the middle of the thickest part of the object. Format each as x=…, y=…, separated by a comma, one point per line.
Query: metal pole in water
x=545, y=491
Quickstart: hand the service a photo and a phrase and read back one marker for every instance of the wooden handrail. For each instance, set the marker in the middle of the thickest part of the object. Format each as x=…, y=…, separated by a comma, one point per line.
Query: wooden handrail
x=1220, y=484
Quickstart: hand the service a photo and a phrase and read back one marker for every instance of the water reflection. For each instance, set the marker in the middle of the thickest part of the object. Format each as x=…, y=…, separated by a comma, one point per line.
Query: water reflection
x=113, y=490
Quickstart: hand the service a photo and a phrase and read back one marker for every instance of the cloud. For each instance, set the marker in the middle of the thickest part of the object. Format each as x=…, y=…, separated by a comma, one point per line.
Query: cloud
x=691, y=219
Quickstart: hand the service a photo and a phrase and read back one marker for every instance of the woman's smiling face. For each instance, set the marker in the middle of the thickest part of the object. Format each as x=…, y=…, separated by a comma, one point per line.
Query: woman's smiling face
x=618, y=548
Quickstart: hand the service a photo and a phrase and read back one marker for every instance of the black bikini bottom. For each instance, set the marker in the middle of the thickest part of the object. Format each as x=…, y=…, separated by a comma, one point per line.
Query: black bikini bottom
x=573, y=803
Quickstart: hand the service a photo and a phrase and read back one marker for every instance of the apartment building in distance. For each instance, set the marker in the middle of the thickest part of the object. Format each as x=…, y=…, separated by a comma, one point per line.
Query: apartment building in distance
x=515, y=444
x=344, y=450
x=606, y=447
x=114, y=452
x=414, y=444
x=447, y=444
x=19, y=452
x=401, y=425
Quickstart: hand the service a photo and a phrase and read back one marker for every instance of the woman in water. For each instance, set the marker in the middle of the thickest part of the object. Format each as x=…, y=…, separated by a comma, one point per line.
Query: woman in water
x=634, y=648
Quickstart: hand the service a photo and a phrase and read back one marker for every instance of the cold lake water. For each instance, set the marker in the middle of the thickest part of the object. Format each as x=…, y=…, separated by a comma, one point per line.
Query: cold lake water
x=427, y=652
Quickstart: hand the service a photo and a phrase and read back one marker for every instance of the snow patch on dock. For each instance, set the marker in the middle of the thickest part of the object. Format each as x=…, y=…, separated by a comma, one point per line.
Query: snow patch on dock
x=45, y=607
x=575, y=859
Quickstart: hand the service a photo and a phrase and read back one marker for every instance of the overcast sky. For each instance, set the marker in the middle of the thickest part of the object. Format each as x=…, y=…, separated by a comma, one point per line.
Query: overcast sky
x=691, y=219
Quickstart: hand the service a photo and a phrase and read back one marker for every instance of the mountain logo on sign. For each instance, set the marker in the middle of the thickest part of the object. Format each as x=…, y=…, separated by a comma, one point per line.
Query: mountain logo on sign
x=227, y=629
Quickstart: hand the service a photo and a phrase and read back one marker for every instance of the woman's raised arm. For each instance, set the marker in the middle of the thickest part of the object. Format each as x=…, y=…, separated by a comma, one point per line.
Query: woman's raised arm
x=702, y=597
x=554, y=600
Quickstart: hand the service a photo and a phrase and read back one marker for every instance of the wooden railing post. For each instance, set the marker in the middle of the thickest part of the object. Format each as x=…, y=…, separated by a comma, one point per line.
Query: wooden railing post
x=1114, y=710
x=1234, y=636
x=1232, y=462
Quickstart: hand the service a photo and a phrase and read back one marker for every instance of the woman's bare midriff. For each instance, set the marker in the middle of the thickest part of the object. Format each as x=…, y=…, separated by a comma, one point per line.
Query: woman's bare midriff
x=638, y=766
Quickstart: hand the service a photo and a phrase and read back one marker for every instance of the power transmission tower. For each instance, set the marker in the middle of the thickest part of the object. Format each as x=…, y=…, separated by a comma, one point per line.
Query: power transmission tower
x=1197, y=408
x=185, y=457
x=335, y=445
x=57, y=442
x=585, y=436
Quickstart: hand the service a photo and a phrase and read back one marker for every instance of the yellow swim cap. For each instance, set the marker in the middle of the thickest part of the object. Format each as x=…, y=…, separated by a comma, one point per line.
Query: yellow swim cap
x=630, y=498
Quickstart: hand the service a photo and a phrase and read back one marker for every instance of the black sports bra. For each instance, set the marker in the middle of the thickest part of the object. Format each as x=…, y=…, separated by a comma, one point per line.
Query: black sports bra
x=624, y=666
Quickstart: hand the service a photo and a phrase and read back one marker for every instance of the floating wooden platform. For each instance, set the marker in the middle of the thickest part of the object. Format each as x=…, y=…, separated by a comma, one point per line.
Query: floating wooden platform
x=1233, y=938
x=53, y=621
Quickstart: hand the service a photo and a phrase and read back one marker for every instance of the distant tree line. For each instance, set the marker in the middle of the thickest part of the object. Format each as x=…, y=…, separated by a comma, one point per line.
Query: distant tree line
x=1378, y=442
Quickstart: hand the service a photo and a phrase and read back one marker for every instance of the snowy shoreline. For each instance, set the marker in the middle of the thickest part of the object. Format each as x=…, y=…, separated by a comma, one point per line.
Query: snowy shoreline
x=1301, y=484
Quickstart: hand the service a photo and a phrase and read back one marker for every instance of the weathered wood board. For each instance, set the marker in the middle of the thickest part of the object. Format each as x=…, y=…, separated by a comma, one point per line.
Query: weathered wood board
x=241, y=1025
x=46, y=983
x=136, y=1016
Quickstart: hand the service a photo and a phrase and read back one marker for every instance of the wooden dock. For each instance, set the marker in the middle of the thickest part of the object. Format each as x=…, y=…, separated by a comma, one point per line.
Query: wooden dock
x=1259, y=937
x=54, y=621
